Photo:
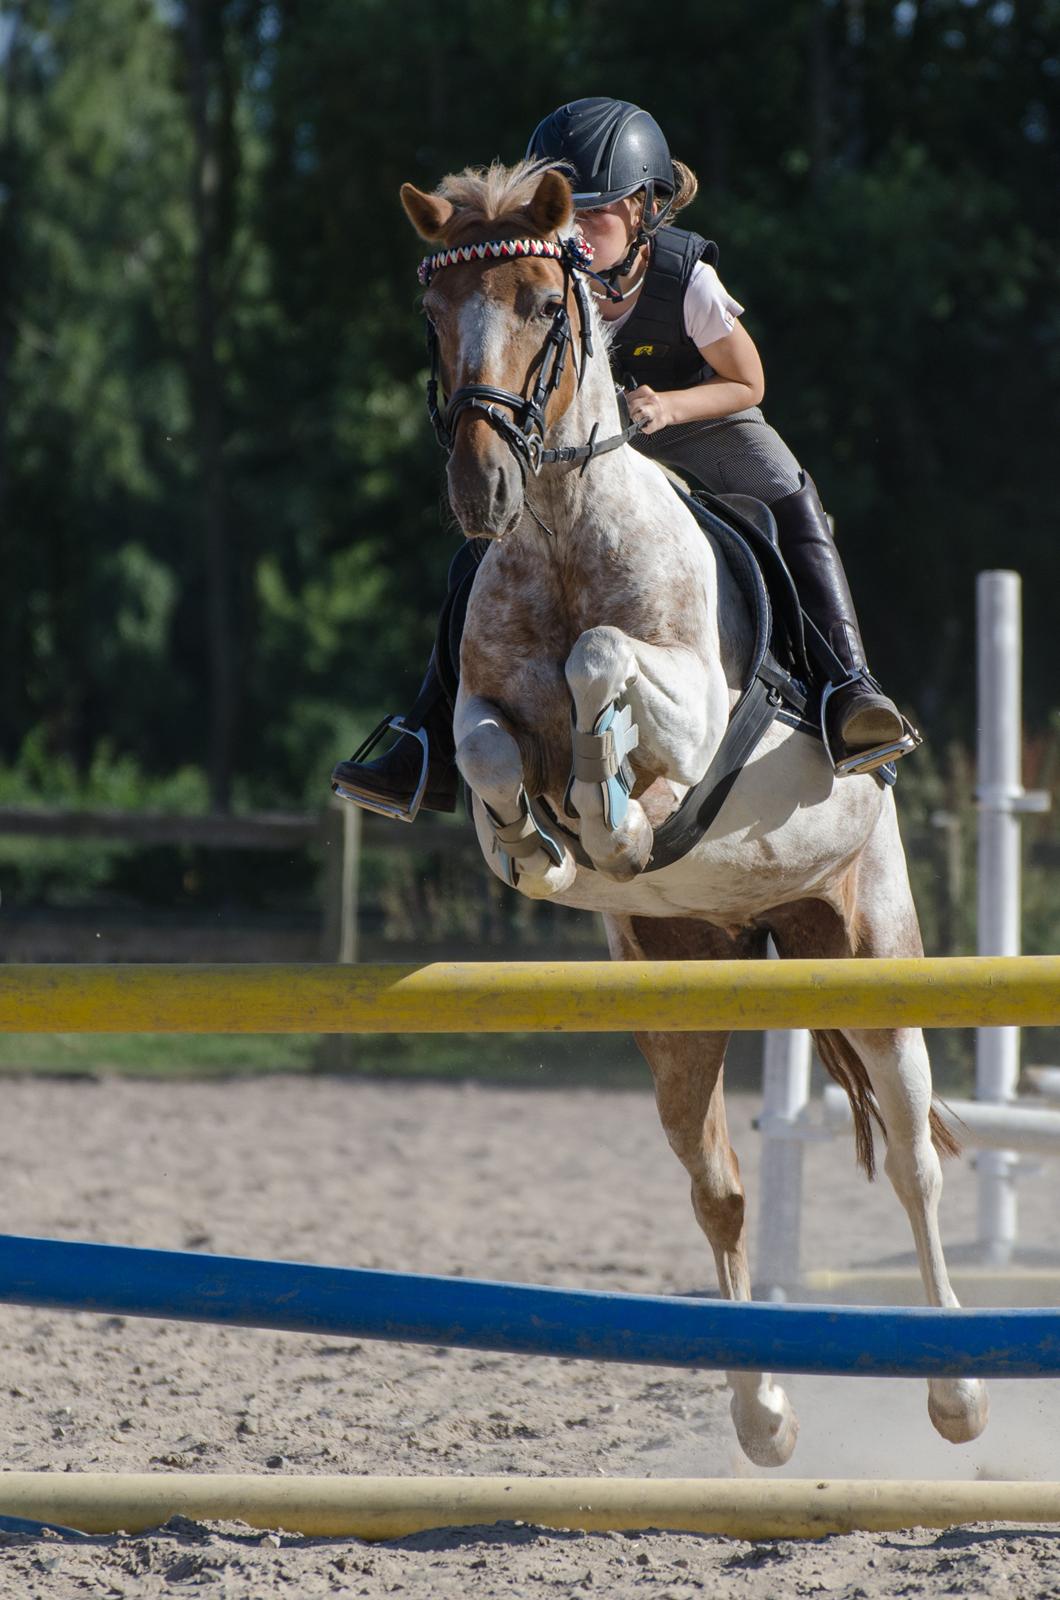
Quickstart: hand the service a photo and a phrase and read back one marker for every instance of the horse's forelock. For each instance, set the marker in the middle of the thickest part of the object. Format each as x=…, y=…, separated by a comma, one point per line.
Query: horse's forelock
x=494, y=199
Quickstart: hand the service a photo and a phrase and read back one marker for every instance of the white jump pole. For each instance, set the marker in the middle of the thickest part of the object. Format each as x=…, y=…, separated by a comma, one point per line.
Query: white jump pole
x=1001, y=797
x=785, y=1101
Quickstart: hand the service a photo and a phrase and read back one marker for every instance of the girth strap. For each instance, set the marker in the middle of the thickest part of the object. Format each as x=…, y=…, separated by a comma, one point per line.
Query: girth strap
x=752, y=715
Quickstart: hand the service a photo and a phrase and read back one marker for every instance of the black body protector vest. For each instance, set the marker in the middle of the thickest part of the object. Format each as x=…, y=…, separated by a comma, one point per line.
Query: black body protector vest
x=653, y=347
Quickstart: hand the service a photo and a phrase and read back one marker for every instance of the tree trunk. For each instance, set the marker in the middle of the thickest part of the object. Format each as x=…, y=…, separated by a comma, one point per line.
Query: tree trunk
x=820, y=93
x=204, y=55
x=11, y=186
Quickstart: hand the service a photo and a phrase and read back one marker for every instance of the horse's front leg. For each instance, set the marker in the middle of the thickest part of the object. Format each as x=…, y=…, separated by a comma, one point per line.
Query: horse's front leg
x=631, y=695
x=521, y=850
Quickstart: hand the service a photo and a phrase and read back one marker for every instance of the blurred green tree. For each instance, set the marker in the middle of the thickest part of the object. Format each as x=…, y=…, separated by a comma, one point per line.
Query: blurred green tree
x=221, y=508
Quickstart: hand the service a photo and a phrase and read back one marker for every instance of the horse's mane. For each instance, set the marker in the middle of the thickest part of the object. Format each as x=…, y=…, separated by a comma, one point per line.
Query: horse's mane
x=494, y=197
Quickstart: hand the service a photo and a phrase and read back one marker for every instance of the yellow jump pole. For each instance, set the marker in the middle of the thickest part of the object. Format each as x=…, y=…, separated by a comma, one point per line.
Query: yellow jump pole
x=531, y=997
x=390, y=1508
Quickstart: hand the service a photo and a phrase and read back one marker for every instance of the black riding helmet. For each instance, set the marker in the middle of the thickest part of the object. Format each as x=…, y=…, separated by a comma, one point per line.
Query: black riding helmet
x=613, y=149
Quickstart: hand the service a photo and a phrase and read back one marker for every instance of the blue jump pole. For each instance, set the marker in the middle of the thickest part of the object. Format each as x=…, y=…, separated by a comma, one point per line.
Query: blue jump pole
x=650, y=1330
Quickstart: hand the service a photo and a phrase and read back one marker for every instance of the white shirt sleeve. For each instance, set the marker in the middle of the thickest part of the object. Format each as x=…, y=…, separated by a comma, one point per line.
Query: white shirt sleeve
x=710, y=312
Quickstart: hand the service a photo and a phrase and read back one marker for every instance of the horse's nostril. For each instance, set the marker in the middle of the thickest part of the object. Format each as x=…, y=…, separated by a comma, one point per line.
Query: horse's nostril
x=502, y=490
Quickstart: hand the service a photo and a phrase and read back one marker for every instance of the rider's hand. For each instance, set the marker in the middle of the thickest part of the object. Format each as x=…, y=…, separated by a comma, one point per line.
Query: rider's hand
x=651, y=410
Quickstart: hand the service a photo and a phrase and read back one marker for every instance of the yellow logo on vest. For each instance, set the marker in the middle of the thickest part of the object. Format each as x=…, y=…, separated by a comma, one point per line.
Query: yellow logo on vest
x=644, y=350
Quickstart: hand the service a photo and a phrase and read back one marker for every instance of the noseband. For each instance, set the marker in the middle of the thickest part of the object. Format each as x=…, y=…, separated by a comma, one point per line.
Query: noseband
x=524, y=430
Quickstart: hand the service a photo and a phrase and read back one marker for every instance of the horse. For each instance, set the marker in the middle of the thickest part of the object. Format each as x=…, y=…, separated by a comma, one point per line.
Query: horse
x=605, y=644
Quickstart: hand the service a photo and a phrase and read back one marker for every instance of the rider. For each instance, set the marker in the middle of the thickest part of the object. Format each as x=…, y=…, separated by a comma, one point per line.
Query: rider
x=697, y=382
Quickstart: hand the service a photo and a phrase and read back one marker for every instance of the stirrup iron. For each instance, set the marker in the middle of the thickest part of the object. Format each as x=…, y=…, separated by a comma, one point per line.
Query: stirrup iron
x=865, y=761
x=389, y=808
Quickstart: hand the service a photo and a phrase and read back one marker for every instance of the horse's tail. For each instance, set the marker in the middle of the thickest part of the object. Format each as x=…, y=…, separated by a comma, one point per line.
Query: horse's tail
x=847, y=1068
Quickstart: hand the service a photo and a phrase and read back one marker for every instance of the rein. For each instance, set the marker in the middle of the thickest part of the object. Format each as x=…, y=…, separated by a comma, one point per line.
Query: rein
x=524, y=430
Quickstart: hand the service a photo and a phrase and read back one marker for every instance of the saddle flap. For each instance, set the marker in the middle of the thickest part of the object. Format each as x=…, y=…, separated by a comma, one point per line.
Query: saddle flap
x=755, y=512
x=745, y=536
x=742, y=562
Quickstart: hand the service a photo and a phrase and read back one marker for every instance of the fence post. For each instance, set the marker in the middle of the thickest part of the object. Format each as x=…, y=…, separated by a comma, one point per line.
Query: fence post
x=349, y=906
x=341, y=828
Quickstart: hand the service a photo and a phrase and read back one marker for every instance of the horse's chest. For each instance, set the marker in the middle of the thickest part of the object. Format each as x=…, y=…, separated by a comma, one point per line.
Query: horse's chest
x=523, y=621
x=526, y=620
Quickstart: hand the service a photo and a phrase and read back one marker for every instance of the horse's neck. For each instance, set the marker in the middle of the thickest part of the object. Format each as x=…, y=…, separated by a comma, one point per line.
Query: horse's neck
x=607, y=500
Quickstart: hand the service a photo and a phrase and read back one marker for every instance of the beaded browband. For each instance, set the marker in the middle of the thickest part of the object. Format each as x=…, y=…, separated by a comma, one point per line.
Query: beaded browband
x=574, y=252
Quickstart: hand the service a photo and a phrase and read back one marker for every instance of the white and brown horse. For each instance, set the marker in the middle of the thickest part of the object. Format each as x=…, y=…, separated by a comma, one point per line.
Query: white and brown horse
x=600, y=603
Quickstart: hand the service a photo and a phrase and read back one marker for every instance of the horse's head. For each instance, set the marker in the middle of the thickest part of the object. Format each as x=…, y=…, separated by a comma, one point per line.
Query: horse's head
x=502, y=325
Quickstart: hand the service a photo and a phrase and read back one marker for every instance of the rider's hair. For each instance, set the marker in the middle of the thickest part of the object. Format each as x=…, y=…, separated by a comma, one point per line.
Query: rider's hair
x=685, y=192
x=687, y=187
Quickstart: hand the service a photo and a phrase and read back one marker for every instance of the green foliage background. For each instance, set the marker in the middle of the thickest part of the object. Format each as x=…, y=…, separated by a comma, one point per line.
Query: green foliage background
x=210, y=348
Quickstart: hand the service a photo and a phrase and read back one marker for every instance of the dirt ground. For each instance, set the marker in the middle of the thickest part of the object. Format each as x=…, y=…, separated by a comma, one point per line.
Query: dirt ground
x=573, y=1188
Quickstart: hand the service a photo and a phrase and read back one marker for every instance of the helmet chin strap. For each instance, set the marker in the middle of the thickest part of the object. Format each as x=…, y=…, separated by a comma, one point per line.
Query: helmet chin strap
x=643, y=234
x=611, y=289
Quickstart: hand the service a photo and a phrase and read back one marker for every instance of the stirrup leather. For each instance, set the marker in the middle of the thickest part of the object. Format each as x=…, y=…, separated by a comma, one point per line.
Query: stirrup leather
x=864, y=761
x=382, y=807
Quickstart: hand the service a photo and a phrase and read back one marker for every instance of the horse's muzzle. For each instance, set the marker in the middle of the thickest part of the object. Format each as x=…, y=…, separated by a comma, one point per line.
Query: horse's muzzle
x=487, y=496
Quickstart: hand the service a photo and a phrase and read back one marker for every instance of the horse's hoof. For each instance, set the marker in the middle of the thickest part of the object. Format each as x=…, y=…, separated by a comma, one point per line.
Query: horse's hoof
x=766, y=1427
x=623, y=854
x=623, y=869
x=958, y=1408
x=556, y=880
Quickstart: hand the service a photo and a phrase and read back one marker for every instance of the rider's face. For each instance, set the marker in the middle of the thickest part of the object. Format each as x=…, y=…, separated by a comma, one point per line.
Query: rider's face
x=609, y=229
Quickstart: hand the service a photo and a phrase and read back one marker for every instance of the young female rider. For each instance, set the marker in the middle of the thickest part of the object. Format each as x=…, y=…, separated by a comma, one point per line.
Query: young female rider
x=695, y=382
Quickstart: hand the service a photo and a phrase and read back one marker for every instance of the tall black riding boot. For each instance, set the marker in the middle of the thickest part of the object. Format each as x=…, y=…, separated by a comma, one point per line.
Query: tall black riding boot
x=863, y=727
x=420, y=770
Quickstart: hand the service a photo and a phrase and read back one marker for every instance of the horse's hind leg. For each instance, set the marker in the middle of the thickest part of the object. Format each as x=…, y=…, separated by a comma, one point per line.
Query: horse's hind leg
x=894, y=1065
x=687, y=1070
x=899, y=1072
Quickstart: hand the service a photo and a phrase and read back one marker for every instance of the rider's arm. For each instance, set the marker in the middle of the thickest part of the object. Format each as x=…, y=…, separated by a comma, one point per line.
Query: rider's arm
x=739, y=381
x=712, y=321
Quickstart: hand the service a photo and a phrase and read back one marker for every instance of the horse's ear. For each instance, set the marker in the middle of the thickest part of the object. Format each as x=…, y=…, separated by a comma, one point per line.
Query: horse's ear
x=552, y=206
x=428, y=213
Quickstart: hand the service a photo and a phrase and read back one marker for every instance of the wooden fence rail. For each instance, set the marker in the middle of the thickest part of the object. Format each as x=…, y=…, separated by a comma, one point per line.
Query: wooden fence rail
x=341, y=833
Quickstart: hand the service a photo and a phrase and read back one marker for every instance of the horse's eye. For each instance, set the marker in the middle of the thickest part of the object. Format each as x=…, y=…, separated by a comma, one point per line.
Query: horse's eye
x=548, y=308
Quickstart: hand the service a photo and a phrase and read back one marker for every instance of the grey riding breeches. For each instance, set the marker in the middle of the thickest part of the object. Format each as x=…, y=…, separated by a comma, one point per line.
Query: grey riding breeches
x=740, y=454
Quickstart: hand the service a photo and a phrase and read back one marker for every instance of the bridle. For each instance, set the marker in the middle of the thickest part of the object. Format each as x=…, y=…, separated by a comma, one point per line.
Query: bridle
x=524, y=430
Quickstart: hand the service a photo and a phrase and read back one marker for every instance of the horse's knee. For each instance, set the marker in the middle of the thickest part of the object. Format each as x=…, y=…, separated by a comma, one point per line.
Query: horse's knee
x=601, y=658
x=488, y=757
